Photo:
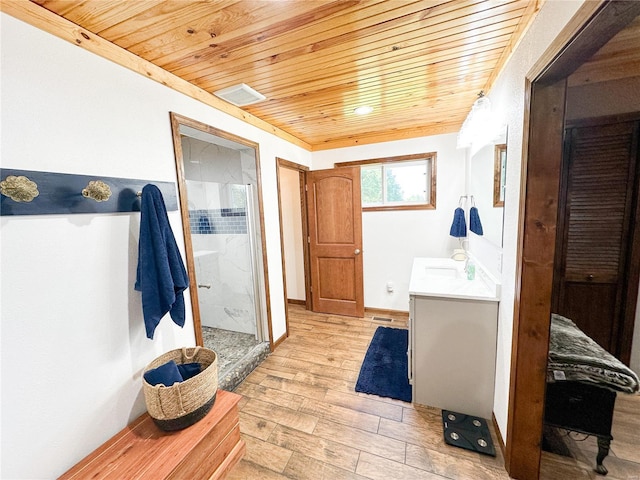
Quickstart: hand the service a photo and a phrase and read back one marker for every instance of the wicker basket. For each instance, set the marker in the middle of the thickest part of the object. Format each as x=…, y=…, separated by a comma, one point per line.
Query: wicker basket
x=184, y=403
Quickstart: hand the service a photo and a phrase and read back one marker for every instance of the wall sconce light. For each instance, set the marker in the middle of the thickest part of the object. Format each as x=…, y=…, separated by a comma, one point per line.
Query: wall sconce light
x=480, y=127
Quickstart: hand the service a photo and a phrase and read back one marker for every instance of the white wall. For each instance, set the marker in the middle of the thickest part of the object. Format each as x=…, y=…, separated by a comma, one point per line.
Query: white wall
x=392, y=239
x=603, y=98
x=290, y=202
x=73, y=342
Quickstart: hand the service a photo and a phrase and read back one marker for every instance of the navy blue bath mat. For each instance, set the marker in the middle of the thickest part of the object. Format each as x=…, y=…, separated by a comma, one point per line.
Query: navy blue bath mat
x=384, y=370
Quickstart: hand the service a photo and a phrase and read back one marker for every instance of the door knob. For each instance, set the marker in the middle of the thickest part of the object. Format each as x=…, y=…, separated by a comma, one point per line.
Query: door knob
x=204, y=285
x=590, y=277
x=357, y=252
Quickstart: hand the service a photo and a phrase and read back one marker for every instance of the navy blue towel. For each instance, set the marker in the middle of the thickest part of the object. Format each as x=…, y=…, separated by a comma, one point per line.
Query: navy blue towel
x=474, y=221
x=188, y=370
x=161, y=276
x=166, y=374
x=459, y=225
x=171, y=372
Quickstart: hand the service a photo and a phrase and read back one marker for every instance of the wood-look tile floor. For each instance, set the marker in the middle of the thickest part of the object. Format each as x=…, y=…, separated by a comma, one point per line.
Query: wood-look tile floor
x=302, y=419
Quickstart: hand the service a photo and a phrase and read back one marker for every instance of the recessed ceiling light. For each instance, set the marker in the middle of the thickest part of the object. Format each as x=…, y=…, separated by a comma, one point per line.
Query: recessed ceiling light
x=363, y=110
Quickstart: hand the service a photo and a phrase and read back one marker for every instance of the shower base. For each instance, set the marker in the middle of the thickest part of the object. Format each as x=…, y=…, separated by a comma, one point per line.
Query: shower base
x=238, y=354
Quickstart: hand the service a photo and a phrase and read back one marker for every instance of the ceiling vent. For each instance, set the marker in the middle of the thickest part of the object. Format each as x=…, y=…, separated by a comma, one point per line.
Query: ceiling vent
x=240, y=95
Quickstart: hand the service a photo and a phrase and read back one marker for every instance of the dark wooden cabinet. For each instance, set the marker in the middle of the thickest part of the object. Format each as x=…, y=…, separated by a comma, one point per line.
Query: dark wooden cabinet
x=596, y=269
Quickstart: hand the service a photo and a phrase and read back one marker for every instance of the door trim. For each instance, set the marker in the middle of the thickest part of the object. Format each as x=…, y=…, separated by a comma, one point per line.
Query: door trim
x=593, y=25
x=533, y=301
x=176, y=121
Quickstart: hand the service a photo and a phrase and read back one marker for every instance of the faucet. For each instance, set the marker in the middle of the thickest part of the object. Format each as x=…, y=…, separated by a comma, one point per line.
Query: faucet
x=460, y=254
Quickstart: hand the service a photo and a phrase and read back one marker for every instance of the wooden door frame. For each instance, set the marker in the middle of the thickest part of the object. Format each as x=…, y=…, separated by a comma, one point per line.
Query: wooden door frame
x=177, y=120
x=594, y=25
x=302, y=175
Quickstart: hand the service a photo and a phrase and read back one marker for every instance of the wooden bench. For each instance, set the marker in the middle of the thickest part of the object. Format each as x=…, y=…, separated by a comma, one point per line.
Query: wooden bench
x=206, y=450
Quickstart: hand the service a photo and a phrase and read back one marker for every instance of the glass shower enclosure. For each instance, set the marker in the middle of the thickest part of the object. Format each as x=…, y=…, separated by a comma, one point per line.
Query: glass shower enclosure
x=220, y=179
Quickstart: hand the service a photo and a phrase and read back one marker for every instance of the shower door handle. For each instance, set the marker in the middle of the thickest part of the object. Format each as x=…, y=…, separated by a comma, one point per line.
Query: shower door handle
x=204, y=285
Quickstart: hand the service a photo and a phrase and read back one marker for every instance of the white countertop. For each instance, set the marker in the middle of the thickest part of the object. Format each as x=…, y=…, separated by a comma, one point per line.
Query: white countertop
x=446, y=278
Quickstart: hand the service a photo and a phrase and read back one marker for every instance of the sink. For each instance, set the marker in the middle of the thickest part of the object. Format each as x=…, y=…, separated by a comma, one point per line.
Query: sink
x=443, y=268
x=445, y=277
x=442, y=271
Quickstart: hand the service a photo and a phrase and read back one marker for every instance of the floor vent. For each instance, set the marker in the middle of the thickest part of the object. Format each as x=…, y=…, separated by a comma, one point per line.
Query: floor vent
x=381, y=319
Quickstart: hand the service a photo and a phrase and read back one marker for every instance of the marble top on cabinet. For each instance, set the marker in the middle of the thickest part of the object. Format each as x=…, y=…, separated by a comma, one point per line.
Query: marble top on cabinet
x=446, y=278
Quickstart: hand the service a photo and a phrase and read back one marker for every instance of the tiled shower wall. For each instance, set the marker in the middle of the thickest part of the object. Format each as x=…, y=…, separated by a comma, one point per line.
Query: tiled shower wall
x=218, y=221
x=223, y=271
x=219, y=233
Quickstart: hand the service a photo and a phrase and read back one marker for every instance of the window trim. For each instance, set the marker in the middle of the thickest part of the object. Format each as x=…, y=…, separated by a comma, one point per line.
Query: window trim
x=431, y=202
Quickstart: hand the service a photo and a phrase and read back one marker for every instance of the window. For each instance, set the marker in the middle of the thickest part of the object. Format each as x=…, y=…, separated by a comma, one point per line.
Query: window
x=398, y=183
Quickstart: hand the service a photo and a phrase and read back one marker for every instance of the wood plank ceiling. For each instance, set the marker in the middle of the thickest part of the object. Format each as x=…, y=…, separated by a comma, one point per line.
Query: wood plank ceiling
x=419, y=64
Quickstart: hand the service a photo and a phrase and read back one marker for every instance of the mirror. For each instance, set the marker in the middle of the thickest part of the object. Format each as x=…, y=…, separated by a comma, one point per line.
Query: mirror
x=218, y=180
x=487, y=175
x=499, y=174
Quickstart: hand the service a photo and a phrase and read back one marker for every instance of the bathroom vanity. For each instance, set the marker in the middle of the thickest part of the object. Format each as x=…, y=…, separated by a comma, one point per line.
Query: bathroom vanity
x=453, y=325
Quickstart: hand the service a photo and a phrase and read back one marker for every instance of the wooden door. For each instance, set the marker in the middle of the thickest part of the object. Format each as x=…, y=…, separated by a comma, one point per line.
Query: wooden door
x=593, y=270
x=335, y=241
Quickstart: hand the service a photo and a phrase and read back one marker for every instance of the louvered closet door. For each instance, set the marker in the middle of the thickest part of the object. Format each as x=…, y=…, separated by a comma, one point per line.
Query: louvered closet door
x=599, y=189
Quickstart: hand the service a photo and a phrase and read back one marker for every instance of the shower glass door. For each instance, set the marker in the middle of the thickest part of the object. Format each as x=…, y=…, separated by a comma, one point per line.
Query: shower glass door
x=223, y=255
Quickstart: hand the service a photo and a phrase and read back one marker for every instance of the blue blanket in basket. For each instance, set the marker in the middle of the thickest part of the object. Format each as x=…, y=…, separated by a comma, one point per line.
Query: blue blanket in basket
x=169, y=373
x=166, y=374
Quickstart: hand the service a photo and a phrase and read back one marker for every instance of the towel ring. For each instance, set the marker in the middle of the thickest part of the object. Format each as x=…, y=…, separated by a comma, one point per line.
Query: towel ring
x=462, y=197
x=97, y=190
x=19, y=188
